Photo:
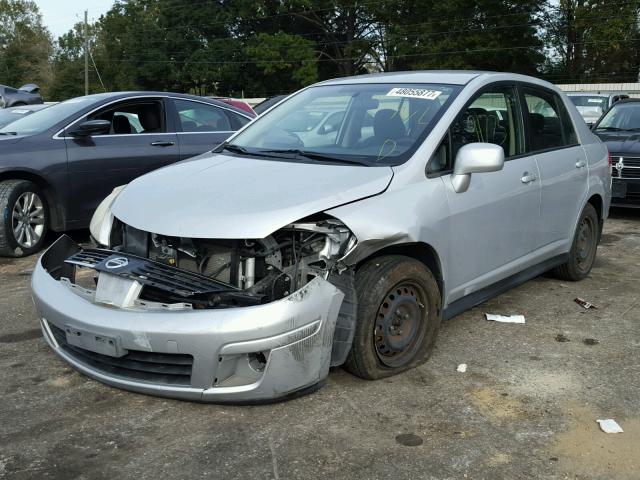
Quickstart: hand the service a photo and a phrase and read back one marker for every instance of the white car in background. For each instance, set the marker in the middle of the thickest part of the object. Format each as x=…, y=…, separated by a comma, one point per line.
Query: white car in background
x=592, y=105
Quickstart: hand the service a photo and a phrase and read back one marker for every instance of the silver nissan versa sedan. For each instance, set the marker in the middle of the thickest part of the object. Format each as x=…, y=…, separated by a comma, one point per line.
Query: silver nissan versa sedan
x=243, y=274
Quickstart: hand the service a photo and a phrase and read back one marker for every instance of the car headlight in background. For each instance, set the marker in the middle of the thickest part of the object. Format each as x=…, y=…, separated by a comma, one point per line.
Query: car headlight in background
x=102, y=220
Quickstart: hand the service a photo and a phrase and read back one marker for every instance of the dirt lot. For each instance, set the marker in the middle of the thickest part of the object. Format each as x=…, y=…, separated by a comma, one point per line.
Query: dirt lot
x=526, y=407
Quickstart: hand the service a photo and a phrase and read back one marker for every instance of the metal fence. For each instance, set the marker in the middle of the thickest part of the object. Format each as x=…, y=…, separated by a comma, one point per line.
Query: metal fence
x=633, y=89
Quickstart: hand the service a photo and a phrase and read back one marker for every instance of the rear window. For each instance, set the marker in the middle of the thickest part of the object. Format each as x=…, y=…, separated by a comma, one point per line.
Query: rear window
x=550, y=125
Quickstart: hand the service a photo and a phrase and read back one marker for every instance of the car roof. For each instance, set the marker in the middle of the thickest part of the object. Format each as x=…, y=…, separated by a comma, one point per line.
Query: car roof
x=446, y=77
x=99, y=97
x=453, y=77
x=594, y=94
x=628, y=100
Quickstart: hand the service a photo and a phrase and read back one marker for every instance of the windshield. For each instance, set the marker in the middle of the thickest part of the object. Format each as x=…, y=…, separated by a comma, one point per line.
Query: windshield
x=9, y=115
x=622, y=116
x=589, y=101
x=372, y=124
x=43, y=120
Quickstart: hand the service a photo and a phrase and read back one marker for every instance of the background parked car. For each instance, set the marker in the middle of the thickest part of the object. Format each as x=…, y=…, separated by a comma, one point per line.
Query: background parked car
x=26, y=95
x=242, y=105
x=268, y=103
x=57, y=164
x=592, y=105
x=619, y=128
x=8, y=115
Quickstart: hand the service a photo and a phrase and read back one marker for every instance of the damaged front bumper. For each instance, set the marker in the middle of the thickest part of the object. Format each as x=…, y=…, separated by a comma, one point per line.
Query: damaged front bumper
x=242, y=354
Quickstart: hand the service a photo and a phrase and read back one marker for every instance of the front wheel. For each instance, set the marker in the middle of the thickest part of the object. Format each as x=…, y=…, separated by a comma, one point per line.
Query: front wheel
x=583, y=249
x=399, y=315
x=23, y=218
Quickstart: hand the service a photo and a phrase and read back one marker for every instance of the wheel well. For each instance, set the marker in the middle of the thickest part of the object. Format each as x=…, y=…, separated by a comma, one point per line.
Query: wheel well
x=56, y=212
x=596, y=201
x=423, y=252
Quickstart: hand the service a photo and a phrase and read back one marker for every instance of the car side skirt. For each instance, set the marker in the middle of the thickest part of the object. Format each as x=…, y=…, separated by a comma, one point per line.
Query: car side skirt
x=476, y=298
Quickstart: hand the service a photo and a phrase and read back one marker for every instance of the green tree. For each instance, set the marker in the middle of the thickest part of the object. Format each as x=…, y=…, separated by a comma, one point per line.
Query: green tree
x=288, y=61
x=500, y=35
x=68, y=64
x=593, y=41
x=25, y=44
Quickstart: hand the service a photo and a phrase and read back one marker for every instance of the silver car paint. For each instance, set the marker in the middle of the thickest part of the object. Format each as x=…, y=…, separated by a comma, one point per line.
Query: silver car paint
x=297, y=331
x=481, y=236
x=213, y=197
x=415, y=209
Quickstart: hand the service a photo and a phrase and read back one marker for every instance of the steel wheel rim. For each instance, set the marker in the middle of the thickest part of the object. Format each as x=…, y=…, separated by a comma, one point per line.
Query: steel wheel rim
x=585, y=244
x=28, y=219
x=400, y=324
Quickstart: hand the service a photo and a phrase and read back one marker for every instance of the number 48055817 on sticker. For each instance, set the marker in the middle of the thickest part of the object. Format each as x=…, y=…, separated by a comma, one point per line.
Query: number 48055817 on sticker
x=414, y=93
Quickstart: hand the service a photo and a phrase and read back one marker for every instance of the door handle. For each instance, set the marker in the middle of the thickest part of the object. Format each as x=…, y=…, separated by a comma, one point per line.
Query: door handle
x=528, y=177
x=580, y=164
x=162, y=144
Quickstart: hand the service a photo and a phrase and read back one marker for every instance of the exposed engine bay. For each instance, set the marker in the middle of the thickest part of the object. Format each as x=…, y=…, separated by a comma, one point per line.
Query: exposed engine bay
x=239, y=272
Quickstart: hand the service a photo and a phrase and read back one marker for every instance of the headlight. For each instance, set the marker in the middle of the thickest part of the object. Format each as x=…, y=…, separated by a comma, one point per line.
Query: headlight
x=102, y=220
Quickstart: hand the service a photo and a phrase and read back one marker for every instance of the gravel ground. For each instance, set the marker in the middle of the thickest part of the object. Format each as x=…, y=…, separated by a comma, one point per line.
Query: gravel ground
x=525, y=408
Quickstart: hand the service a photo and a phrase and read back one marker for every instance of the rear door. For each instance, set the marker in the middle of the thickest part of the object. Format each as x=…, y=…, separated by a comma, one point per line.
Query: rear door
x=202, y=126
x=141, y=139
x=492, y=225
x=561, y=160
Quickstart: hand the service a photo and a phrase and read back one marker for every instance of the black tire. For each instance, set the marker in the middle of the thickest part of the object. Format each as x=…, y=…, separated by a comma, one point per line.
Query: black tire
x=390, y=287
x=10, y=192
x=583, y=248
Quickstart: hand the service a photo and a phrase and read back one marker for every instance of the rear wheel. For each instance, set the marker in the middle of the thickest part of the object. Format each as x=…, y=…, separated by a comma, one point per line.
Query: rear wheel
x=399, y=314
x=24, y=218
x=583, y=249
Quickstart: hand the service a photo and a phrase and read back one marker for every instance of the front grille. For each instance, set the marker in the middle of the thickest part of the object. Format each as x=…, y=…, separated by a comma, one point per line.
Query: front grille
x=626, y=167
x=150, y=273
x=630, y=172
x=632, y=161
x=152, y=367
x=164, y=283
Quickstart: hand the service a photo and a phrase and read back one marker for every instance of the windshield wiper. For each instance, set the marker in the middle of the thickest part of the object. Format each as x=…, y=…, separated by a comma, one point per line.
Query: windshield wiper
x=314, y=156
x=8, y=133
x=610, y=129
x=235, y=149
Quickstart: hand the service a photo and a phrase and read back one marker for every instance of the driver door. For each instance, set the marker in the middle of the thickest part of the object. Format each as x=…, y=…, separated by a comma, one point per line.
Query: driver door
x=492, y=225
x=140, y=140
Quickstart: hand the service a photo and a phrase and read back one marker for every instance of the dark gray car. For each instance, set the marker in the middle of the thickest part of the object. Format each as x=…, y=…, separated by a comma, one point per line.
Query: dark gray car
x=25, y=95
x=56, y=165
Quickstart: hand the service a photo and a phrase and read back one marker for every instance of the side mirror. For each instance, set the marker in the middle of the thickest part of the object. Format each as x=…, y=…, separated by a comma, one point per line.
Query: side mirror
x=91, y=127
x=475, y=158
x=326, y=129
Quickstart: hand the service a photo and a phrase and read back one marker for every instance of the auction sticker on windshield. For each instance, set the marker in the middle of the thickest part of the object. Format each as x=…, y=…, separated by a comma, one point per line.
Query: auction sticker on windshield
x=414, y=93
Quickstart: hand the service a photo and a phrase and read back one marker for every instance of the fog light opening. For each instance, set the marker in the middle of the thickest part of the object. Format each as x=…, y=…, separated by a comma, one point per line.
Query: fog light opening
x=257, y=361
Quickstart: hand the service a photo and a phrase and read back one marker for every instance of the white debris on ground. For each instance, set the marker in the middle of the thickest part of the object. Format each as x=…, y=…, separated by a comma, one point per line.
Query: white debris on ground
x=505, y=319
x=462, y=368
x=609, y=426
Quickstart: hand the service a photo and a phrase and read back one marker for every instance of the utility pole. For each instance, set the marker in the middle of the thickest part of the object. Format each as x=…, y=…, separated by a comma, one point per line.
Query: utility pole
x=86, y=55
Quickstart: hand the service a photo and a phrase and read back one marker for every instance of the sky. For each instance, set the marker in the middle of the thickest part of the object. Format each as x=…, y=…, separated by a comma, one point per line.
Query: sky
x=59, y=16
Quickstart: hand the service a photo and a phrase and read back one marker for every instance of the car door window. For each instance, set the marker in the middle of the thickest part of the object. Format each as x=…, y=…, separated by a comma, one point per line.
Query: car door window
x=492, y=117
x=202, y=117
x=139, y=117
x=549, y=122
